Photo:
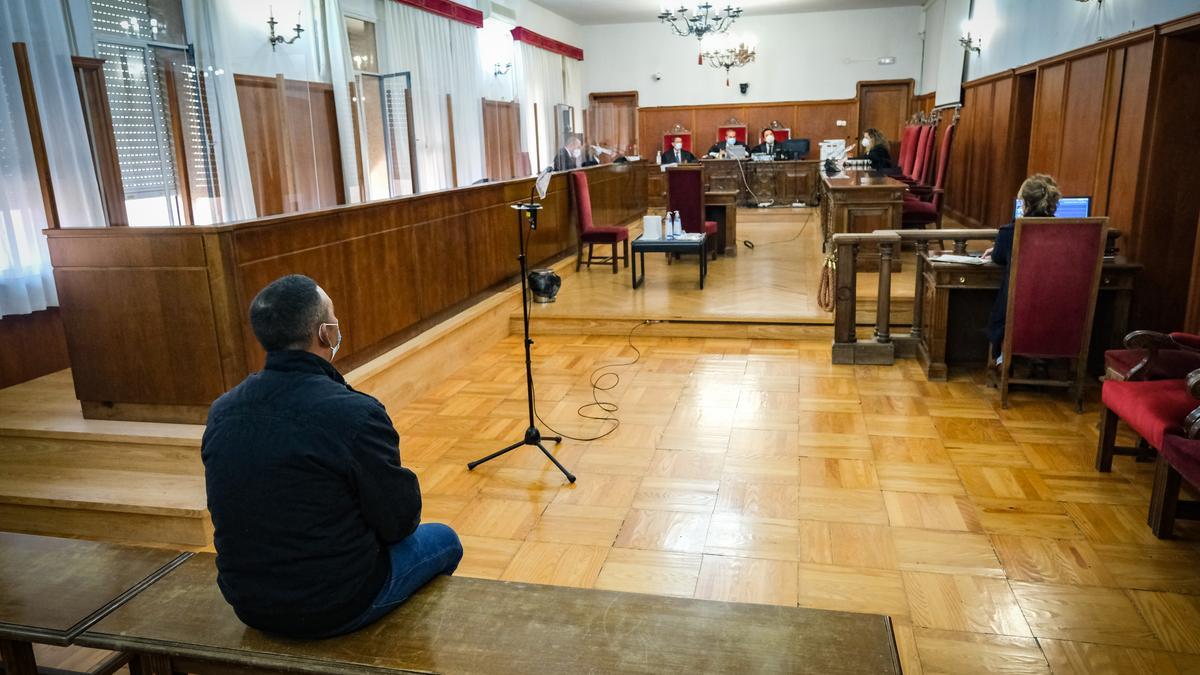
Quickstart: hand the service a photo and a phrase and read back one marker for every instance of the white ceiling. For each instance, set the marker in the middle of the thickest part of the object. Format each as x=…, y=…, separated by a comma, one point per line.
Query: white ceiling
x=635, y=11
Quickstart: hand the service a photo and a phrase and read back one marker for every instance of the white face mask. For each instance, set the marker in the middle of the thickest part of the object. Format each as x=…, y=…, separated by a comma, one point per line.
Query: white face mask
x=769, y=139
x=679, y=146
x=866, y=143
x=730, y=141
x=336, y=345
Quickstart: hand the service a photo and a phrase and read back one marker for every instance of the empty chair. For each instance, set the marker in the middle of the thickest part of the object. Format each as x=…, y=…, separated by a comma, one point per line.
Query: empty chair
x=590, y=234
x=1148, y=355
x=685, y=194
x=924, y=203
x=1166, y=414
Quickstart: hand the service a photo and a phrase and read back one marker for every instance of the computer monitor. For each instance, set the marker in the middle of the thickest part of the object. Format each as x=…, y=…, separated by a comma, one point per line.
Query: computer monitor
x=796, y=148
x=1068, y=207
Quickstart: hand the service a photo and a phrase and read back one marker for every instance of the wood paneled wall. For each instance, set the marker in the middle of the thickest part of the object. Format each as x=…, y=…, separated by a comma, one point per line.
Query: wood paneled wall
x=34, y=345
x=292, y=144
x=885, y=105
x=393, y=268
x=1112, y=121
x=814, y=120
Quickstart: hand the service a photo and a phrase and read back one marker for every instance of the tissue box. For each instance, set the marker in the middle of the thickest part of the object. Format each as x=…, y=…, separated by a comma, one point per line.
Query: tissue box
x=652, y=227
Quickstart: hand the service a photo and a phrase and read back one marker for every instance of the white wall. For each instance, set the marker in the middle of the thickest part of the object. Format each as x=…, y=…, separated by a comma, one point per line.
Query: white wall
x=1017, y=32
x=245, y=32
x=807, y=56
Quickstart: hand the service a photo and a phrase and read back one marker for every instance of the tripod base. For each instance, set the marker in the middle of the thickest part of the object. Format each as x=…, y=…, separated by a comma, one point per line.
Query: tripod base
x=532, y=437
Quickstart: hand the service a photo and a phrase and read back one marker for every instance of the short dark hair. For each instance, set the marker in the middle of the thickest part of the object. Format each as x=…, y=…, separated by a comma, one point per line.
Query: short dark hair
x=286, y=312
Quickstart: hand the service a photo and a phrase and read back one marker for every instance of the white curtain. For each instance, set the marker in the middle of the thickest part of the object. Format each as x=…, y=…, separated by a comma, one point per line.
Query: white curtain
x=26, y=279
x=337, y=57
x=442, y=57
x=539, y=81
x=209, y=23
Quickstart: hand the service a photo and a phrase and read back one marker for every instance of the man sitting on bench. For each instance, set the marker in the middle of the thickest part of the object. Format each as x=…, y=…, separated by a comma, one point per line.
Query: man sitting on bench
x=317, y=526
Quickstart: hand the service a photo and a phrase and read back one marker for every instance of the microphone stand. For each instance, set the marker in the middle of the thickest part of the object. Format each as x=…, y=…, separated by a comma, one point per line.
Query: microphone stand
x=533, y=436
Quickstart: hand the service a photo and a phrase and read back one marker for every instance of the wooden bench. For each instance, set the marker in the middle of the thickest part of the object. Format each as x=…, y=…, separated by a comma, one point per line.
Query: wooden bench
x=462, y=625
x=52, y=589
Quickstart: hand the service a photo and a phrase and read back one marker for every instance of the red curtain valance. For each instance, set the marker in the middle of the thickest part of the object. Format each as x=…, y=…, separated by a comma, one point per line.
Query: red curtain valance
x=549, y=44
x=449, y=9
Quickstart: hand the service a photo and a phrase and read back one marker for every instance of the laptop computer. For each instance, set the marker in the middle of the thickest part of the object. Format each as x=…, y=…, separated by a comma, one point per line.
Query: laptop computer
x=1068, y=207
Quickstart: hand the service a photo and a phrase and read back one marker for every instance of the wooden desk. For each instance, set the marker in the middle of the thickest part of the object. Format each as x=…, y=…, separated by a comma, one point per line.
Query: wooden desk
x=156, y=318
x=860, y=202
x=51, y=589
x=784, y=182
x=958, y=300
x=466, y=626
x=721, y=206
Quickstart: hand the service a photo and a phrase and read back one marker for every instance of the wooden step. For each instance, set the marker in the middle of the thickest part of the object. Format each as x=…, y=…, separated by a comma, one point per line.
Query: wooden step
x=132, y=506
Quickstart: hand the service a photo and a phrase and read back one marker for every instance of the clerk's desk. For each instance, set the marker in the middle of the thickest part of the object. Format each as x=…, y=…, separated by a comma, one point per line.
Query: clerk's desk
x=958, y=300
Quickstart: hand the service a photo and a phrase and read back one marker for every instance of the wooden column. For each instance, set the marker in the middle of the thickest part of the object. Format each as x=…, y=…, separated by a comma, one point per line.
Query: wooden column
x=883, y=306
x=845, y=301
x=919, y=292
x=37, y=138
x=412, y=139
x=453, y=154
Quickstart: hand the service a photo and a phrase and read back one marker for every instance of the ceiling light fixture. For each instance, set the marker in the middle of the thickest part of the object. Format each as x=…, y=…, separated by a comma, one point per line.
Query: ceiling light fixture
x=700, y=23
x=730, y=57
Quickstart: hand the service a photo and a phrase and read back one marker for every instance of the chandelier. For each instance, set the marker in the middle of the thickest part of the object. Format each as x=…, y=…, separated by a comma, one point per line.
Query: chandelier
x=702, y=22
x=729, y=58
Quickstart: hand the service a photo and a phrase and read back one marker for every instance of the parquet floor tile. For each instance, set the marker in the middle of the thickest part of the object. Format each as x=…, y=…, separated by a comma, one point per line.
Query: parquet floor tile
x=758, y=471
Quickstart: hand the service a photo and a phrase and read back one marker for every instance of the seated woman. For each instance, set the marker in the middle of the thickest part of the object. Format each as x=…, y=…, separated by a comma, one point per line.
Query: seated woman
x=1039, y=194
x=875, y=145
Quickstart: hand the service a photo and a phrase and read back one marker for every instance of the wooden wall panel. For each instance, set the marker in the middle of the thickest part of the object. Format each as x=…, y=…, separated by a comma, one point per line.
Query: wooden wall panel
x=814, y=120
x=1079, y=149
x=97, y=118
x=33, y=345
x=1130, y=134
x=158, y=316
x=613, y=120
x=501, y=138
x=292, y=144
x=1191, y=322
x=1045, y=138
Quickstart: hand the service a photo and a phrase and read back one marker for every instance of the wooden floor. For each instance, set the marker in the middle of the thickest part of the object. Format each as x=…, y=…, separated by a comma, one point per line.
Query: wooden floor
x=756, y=471
x=776, y=282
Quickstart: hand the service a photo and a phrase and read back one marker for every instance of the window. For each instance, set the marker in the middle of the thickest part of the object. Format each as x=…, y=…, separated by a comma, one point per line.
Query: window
x=159, y=118
x=378, y=106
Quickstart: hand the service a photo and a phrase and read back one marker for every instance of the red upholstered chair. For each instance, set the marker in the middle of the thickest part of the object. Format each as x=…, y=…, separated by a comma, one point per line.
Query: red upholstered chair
x=1166, y=415
x=923, y=204
x=1052, y=284
x=908, y=148
x=925, y=134
x=589, y=233
x=685, y=194
x=669, y=138
x=1153, y=356
x=782, y=135
x=739, y=129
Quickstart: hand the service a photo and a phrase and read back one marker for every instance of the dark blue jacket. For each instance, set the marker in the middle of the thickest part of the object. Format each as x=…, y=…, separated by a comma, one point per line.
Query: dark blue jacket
x=306, y=491
x=1001, y=254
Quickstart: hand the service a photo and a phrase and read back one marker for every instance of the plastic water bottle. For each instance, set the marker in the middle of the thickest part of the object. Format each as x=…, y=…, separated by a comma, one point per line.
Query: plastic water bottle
x=678, y=231
x=669, y=226
x=658, y=157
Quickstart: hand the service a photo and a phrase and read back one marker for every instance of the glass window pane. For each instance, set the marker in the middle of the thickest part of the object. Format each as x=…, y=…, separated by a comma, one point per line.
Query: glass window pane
x=361, y=35
x=155, y=20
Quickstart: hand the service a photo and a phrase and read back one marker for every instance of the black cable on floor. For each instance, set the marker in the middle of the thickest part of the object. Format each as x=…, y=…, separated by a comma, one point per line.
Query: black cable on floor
x=750, y=245
x=597, y=380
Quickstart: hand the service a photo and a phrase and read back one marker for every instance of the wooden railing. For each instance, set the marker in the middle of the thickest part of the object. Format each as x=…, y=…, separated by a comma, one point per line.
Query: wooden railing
x=883, y=347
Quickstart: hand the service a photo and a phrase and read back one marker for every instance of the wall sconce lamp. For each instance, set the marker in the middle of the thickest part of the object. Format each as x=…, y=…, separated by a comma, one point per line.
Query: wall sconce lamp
x=970, y=44
x=279, y=39
x=499, y=69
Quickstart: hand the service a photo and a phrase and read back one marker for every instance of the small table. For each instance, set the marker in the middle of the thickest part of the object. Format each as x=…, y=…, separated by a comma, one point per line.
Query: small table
x=641, y=246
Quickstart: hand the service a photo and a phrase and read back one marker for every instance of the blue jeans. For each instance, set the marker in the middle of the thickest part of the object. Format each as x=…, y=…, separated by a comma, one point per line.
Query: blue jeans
x=432, y=549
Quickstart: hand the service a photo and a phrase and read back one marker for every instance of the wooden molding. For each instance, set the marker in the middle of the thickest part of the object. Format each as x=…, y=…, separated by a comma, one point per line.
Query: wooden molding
x=450, y=129
x=771, y=104
x=529, y=37
x=37, y=138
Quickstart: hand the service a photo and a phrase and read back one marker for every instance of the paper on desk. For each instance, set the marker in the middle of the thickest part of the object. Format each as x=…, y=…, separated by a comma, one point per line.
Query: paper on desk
x=963, y=259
